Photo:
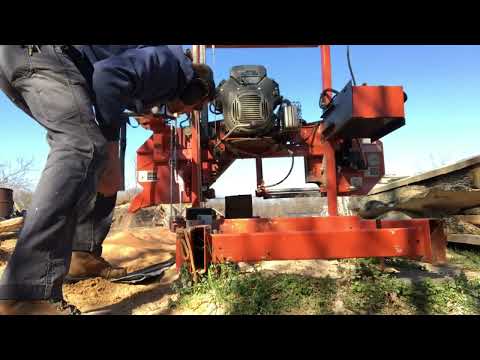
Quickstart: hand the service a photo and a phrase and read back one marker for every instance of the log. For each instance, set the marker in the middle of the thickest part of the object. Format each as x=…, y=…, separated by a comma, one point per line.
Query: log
x=455, y=226
x=435, y=201
x=8, y=235
x=472, y=219
x=476, y=177
x=472, y=211
x=11, y=225
x=396, y=215
x=464, y=239
x=465, y=172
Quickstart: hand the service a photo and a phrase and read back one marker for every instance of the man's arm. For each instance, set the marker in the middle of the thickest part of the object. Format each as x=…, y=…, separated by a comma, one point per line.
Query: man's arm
x=146, y=74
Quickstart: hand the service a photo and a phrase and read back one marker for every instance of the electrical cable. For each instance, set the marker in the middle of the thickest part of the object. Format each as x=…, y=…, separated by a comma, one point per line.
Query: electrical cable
x=350, y=66
x=230, y=133
x=213, y=109
x=289, y=172
x=189, y=118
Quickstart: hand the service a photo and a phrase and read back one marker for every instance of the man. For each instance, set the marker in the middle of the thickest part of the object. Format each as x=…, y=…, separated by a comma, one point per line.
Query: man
x=79, y=93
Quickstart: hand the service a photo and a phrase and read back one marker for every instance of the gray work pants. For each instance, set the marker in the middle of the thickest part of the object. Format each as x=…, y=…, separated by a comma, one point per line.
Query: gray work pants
x=65, y=213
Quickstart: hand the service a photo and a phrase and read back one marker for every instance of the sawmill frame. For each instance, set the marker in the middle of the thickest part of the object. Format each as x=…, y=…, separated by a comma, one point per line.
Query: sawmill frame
x=255, y=239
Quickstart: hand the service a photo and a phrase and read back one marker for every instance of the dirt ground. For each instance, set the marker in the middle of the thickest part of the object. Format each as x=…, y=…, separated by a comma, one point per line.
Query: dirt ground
x=140, y=247
x=135, y=250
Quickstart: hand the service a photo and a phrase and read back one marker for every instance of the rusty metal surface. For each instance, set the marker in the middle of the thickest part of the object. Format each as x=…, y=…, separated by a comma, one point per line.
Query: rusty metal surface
x=193, y=248
x=6, y=203
x=439, y=240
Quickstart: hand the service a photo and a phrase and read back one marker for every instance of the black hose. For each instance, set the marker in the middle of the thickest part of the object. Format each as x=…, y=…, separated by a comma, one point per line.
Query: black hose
x=213, y=109
x=189, y=117
x=286, y=177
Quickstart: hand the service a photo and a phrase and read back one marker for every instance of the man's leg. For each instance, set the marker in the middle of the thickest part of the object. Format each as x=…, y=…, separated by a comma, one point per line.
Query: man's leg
x=90, y=233
x=57, y=96
x=93, y=227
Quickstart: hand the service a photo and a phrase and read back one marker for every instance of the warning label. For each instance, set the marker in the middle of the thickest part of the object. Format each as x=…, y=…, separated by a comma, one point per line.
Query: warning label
x=147, y=176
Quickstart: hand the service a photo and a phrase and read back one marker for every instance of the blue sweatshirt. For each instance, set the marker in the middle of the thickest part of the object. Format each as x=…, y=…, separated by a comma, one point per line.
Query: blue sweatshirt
x=134, y=77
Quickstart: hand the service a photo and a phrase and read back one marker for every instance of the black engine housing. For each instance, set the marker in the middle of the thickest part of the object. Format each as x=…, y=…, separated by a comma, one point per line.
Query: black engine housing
x=248, y=100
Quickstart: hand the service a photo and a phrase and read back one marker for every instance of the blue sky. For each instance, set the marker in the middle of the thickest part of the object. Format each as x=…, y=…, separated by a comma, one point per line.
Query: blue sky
x=442, y=112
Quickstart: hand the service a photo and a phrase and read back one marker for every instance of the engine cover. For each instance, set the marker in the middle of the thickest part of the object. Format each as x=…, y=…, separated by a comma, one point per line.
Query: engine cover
x=248, y=100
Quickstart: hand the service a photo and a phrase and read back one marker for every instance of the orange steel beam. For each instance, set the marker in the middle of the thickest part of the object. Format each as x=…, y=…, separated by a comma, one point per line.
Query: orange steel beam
x=332, y=187
x=332, y=237
x=196, y=151
x=305, y=245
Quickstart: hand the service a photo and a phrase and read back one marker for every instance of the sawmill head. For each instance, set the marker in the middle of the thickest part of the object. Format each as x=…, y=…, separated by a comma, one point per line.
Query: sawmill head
x=252, y=104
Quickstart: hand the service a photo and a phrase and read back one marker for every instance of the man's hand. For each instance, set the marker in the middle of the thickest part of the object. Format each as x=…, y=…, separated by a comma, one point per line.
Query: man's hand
x=147, y=121
x=110, y=181
x=144, y=122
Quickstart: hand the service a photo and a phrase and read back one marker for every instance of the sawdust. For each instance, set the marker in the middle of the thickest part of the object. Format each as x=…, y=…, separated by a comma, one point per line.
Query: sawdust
x=134, y=249
x=121, y=299
x=139, y=248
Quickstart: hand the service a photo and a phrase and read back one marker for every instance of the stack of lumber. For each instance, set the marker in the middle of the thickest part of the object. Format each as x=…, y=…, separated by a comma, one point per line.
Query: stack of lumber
x=451, y=192
x=10, y=228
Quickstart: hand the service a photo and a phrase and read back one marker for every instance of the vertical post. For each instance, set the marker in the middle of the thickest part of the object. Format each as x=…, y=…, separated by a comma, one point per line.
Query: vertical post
x=259, y=168
x=326, y=68
x=196, y=152
x=330, y=150
x=123, y=149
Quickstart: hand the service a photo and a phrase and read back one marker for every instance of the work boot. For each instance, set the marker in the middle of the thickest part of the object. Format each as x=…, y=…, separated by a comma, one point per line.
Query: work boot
x=37, y=307
x=85, y=265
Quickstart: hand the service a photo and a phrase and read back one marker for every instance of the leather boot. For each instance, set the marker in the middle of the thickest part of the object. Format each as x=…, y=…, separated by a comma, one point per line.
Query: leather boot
x=37, y=307
x=86, y=265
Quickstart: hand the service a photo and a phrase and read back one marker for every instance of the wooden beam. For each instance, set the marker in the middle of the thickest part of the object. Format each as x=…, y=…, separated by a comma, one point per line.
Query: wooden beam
x=464, y=239
x=427, y=175
x=8, y=235
x=472, y=219
x=11, y=225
